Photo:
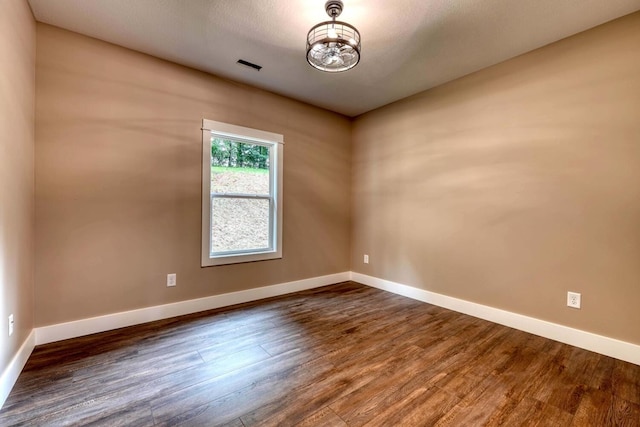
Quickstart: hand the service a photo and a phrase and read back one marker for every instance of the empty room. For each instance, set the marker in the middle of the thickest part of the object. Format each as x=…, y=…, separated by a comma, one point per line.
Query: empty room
x=320, y=213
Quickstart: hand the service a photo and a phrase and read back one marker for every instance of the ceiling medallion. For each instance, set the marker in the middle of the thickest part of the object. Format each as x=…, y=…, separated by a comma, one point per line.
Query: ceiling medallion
x=333, y=46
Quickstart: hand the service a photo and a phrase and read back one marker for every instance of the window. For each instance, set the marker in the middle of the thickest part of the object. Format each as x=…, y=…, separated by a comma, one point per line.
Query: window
x=241, y=194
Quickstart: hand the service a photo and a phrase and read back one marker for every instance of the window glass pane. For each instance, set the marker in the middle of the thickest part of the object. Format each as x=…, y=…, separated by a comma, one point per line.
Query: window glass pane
x=242, y=194
x=239, y=167
x=239, y=224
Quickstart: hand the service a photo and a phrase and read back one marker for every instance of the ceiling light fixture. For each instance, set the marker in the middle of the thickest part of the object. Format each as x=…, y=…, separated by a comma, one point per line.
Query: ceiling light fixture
x=333, y=46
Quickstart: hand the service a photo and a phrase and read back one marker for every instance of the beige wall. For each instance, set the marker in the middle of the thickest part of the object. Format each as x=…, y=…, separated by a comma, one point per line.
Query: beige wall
x=508, y=187
x=514, y=185
x=17, y=98
x=118, y=149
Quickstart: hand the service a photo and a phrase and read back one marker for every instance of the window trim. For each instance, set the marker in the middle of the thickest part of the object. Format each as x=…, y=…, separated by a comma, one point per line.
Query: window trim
x=249, y=135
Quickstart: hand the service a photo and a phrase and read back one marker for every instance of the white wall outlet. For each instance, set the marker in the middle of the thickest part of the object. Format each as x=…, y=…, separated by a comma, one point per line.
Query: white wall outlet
x=11, y=324
x=171, y=279
x=366, y=259
x=573, y=299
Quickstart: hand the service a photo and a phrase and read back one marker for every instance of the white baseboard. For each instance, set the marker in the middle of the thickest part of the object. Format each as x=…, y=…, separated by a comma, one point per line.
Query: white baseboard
x=597, y=343
x=10, y=375
x=600, y=344
x=62, y=331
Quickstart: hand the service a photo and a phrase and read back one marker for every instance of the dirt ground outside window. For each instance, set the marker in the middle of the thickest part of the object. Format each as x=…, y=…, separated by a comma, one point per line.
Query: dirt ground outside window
x=239, y=224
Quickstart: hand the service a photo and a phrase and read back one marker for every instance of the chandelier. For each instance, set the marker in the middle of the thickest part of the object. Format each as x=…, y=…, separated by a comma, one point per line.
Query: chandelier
x=333, y=46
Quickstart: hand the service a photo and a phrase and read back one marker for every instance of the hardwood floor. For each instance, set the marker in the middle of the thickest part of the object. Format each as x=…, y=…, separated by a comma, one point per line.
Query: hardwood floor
x=342, y=355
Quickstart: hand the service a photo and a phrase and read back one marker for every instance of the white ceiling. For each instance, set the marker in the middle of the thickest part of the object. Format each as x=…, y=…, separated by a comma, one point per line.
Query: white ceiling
x=407, y=45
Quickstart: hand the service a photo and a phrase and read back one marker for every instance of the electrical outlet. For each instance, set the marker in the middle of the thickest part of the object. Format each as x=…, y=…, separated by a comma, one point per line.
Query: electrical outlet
x=171, y=279
x=573, y=299
x=366, y=259
x=11, y=324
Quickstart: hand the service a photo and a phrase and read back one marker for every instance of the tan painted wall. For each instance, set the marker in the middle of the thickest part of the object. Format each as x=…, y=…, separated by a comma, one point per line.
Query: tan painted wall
x=17, y=100
x=513, y=185
x=118, y=149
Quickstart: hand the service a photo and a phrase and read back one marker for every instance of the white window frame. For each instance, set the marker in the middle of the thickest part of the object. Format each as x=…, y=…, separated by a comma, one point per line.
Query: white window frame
x=253, y=136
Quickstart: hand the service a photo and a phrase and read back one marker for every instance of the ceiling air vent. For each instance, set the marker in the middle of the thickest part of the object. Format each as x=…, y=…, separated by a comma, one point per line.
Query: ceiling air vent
x=249, y=64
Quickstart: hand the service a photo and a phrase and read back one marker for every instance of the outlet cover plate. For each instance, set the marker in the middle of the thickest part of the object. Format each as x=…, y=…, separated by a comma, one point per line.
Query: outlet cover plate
x=171, y=280
x=11, y=324
x=573, y=299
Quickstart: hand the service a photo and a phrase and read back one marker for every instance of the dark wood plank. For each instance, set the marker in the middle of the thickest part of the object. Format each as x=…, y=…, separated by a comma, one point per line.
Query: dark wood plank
x=532, y=412
x=324, y=417
x=600, y=408
x=423, y=406
x=349, y=375
x=626, y=381
x=341, y=355
x=216, y=402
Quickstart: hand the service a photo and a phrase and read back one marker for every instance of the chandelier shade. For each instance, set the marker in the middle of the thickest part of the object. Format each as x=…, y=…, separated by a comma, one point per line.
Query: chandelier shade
x=333, y=46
